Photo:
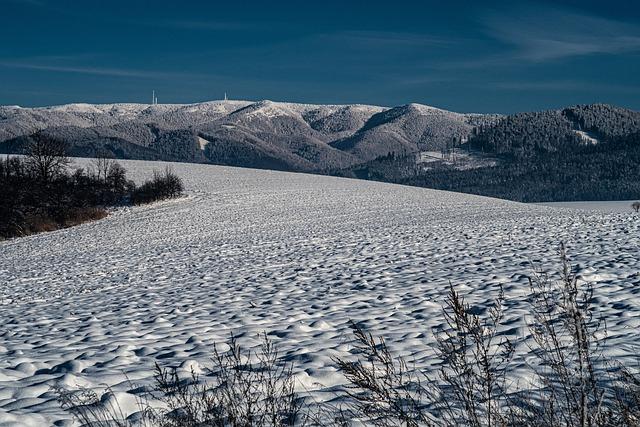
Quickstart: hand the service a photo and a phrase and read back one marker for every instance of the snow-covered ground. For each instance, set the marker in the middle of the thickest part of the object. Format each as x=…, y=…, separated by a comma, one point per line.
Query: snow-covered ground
x=587, y=137
x=623, y=206
x=460, y=159
x=291, y=254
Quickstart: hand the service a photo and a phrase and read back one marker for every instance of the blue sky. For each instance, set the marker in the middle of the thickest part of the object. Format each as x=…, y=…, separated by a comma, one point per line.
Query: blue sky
x=463, y=56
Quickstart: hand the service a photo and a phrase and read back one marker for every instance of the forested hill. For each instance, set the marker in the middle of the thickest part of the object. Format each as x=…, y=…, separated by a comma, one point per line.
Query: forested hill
x=264, y=134
x=585, y=152
x=527, y=134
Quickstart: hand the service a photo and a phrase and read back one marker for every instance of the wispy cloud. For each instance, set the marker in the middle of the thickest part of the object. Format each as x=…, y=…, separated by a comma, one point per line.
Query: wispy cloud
x=390, y=38
x=541, y=33
x=102, y=71
x=208, y=25
x=562, y=86
x=466, y=63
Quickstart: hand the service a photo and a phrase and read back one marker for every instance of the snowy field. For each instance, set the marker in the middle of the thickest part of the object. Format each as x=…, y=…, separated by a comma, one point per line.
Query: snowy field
x=623, y=206
x=294, y=255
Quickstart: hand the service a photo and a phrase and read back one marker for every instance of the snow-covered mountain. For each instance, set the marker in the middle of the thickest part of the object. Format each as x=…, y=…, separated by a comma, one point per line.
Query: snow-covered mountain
x=408, y=128
x=260, y=134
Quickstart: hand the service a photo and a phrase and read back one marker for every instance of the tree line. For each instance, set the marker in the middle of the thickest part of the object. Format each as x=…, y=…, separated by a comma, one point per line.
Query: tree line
x=40, y=192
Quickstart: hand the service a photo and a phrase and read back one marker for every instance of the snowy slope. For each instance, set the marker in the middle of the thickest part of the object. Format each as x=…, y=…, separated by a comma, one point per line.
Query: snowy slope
x=405, y=129
x=300, y=137
x=291, y=254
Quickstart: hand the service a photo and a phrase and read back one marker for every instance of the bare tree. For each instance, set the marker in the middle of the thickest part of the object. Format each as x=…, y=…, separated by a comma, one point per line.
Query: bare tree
x=46, y=157
x=102, y=164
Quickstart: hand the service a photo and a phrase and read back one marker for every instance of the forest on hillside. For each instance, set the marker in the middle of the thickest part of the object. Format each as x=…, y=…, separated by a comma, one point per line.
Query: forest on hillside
x=588, y=173
x=541, y=157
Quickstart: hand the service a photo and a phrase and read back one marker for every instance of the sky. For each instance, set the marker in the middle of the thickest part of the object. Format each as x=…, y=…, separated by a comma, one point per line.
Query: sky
x=467, y=56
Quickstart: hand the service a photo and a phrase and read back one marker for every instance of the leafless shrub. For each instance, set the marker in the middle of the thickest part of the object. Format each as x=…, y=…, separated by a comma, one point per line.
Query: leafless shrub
x=635, y=206
x=383, y=389
x=471, y=390
x=576, y=388
x=475, y=364
x=92, y=410
x=564, y=338
x=247, y=389
x=625, y=409
x=163, y=185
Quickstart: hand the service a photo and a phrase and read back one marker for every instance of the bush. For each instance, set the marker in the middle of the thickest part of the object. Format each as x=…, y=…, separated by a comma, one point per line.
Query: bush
x=163, y=185
x=32, y=204
x=92, y=410
x=248, y=389
x=39, y=193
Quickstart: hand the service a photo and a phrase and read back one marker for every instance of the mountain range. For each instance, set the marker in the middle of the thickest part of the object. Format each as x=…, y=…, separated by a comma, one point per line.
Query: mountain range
x=584, y=152
x=266, y=134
